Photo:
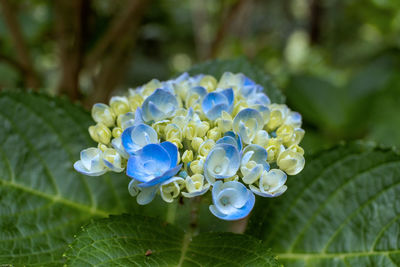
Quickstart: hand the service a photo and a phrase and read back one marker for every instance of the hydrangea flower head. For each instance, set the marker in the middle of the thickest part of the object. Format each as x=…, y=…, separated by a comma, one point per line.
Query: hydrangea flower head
x=190, y=135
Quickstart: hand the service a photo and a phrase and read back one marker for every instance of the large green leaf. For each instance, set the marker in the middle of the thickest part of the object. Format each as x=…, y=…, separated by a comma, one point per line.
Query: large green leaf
x=342, y=210
x=43, y=201
x=128, y=240
x=218, y=67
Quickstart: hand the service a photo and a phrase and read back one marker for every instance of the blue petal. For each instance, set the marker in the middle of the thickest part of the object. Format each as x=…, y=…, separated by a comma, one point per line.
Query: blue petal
x=216, y=111
x=146, y=195
x=138, y=117
x=237, y=214
x=228, y=140
x=136, y=137
x=243, y=212
x=228, y=93
x=231, y=153
x=217, y=187
x=78, y=166
x=239, y=124
x=259, y=155
x=237, y=137
x=172, y=151
x=182, y=77
x=156, y=158
x=136, y=170
x=200, y=90
x=159, y=105
x=117, y=145
x=158, y=180
x=263, y=99
x=248, y=81
x=155, y=112
x=212, y=99
x=150, y=162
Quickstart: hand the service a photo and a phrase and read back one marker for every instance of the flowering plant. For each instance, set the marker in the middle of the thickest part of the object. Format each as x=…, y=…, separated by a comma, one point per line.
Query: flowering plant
x=186, y=136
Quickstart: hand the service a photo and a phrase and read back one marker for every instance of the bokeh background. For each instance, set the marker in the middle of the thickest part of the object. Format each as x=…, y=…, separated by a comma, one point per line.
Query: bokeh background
x=337, y=61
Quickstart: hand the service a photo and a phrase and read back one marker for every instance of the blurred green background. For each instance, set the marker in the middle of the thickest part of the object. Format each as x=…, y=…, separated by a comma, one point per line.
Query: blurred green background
x=337, y=61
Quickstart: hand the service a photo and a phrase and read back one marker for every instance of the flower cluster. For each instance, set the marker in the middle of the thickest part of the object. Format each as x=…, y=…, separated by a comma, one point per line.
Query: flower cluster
x=189, y=135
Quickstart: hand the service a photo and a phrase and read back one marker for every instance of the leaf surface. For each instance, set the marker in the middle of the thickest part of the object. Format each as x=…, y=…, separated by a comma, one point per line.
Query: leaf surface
x=342, y=210
x=43, y=200
x=128, y=240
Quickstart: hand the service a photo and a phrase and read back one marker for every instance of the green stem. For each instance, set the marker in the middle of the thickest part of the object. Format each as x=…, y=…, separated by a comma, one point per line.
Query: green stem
x=194, y=215
x=171, y=212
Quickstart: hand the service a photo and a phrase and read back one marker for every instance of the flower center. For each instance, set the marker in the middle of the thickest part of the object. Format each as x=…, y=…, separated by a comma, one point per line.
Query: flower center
x=217, y=169
x=224, y=200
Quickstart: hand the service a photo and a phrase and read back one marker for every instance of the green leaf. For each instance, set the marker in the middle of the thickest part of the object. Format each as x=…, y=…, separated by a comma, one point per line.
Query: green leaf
x=342, y=210
x=218, y=67
x=128, y=240
x=43, y=201
x=385, y=123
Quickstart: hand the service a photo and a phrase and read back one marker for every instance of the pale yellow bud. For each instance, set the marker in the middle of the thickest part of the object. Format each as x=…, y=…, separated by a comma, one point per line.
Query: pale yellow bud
x=194, y=183
x=274, y=148
x=116, y=132
x=102, y=113
x=176, y=142
x=126, y=120
x=190, y=131
x=181, y=112
x=202, y=128
x=275, y=120
x=214, y=134
x=102, y=147
x=261, y=138
x=209, y=83
x=206, y=147
x=297, y=149
x=119, y=105
x=180, y=121
x=192, y=99
x=277, y=116
x=173, y=132
x=242, y=104
x=285, y=133
x=298, y=136
x=172, y=190
x=100, y=133
x=113, y=158
x=182, y=89
x=135, y=101
x=159, y=127
x=187, y=156
x=230, y=80
x=196, y=142
x=225, y=122
x=291, y=162
x=196, y=166
x=199, y=110
x=233, y=178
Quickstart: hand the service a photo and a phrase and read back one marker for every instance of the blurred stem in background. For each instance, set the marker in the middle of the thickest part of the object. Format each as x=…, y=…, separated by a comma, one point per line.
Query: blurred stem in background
x=23, y=61
x=231, y=16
